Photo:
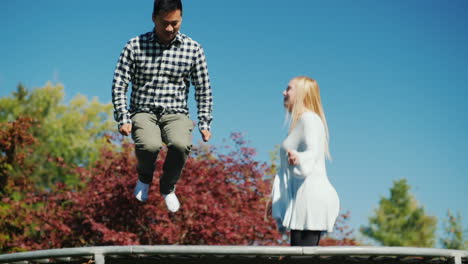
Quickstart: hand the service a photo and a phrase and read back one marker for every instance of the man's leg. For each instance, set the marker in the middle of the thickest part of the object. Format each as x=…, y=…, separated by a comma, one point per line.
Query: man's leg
x=177, y=134
x=147, y=137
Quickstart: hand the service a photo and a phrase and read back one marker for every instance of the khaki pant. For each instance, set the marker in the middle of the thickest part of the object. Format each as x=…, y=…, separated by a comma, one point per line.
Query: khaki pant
x=149, y=133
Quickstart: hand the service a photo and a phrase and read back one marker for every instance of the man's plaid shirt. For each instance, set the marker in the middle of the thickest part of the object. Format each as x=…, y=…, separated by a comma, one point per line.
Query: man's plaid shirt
x=160, y=77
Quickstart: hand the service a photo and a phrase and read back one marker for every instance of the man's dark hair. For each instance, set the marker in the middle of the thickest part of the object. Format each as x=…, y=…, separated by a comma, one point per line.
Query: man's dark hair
x=166, y=6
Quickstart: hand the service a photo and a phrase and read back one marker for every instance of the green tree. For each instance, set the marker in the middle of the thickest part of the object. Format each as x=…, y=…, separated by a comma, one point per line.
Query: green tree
x=71, y=133
x=454, y=236
x=400, y=221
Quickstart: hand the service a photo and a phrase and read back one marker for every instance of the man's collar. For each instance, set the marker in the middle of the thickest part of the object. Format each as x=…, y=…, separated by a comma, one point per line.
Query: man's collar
x=177, y=40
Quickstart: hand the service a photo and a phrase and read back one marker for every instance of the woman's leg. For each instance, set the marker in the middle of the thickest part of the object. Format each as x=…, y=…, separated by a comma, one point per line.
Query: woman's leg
x=310, y=238
x=296, y=237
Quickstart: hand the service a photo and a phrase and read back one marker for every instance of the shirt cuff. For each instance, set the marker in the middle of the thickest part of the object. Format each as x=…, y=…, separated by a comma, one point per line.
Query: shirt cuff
x=122, y=119
x=203, y=125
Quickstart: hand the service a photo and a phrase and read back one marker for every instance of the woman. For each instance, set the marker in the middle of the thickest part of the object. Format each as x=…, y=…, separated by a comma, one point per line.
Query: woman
x=304, y=201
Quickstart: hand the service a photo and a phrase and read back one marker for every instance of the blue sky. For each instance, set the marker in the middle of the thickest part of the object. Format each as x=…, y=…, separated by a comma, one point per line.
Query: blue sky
x=393, y=77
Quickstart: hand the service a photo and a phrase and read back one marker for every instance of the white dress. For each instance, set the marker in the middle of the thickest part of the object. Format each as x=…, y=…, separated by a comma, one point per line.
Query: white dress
x=302, y=196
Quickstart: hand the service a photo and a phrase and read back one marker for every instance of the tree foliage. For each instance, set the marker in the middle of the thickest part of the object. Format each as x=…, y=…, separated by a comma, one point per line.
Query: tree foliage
x=73, y=131
x=14, y=136
x=16, y=143
x=400, y=221
x=454, y=237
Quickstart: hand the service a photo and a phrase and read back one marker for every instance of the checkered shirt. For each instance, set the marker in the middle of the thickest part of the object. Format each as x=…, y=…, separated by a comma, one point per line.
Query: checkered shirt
x=160, y=76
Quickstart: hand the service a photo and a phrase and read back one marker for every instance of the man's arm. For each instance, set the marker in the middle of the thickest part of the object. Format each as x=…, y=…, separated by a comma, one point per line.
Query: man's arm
x=122, y=77
x=203, y=94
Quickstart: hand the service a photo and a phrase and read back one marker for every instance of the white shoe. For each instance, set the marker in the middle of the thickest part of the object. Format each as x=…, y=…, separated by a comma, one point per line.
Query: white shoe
x=172, y=202
x=141, y=191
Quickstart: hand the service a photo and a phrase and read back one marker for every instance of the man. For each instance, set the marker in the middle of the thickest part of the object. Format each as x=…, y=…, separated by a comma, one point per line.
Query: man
x=160, y=65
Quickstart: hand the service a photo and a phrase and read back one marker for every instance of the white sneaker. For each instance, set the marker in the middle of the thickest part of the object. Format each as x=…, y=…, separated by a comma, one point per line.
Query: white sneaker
x=141, y=191
x=172, y=202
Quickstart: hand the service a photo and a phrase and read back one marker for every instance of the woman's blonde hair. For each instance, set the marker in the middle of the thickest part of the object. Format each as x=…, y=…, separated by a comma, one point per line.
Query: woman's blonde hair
x=307, y=98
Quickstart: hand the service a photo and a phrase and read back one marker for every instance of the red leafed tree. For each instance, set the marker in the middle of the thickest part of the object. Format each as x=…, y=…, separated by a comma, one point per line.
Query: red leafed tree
x=223, y=193
x=223, y=202
x=16, y=143
x=14, y=137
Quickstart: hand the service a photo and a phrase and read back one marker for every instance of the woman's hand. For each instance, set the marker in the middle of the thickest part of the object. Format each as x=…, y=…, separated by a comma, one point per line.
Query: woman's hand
x=293, y=159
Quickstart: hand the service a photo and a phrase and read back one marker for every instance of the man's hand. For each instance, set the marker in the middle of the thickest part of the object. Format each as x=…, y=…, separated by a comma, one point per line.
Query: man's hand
x=126, y=129
x=206, y=135
x=292, y=158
